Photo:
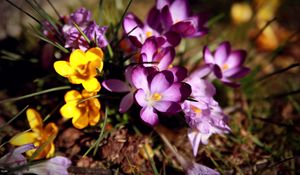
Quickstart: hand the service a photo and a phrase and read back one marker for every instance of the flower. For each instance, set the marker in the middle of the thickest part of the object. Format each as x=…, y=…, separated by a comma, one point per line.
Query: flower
x=241, y=12
x=226, y=63
x=81, y=16
x=204, y=116
x=158, y=92
x=38, y=136
x=82, y=68
x=82, y=108
x=15, y=158
x=57, y=165
x=198, y=169
x=176, y=16
x=115, y=85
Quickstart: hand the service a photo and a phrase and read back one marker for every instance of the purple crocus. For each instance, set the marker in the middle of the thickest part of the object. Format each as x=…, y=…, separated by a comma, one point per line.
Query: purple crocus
x=81, y=17
x=204, y=116
x=154, y=54
x=119, y=86
x=176, y=16
x=158, y=92
x=226, y=64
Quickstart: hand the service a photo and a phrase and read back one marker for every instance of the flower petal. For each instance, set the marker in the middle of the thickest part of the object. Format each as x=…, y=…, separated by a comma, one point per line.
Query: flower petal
x=126, y=102
x=139, y=78
x=34, y=119
x=81, y=121
x=178, y=92
x=208, y=57
x=167, y=106
x=77, y=58
x=51, y=129
x=222, y=53
x=179, y=73
x=95, y=55
x=195, y=139
x=161, y=81
x=72, y=95
x=115, y=85
x=63, y=68
x=236, y=58
x=179, y=10
x=164, y=58
x=23, y=138
x=140, y=97
x=91, y=85
x=70, y=110
x=149, y=48
x=149, y=116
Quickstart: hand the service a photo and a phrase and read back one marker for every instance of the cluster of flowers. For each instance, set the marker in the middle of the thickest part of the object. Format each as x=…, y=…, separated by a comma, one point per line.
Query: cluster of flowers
x=151, y=79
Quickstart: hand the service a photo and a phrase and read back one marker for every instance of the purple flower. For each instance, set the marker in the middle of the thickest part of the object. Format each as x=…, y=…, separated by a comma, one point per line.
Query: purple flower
x=152, y=51
x=158, y=92
x=81, y=17
x=96, y=33
x=55, y=166
x=15, y=157
x=198, y=169
x=115, y=85
x=176, y=16
x=204, y=116
x=225, y=63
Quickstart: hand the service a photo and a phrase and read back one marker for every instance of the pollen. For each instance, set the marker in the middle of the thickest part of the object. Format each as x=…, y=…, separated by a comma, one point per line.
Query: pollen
x=225, y=67
x=148, y=34
x=196, y=110
x=156, y=97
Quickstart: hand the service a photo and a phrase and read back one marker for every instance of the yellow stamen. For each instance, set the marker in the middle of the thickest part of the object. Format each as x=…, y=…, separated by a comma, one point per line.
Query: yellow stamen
x=148, y=34
x=196, y=110
x=225, y=67
x=156, y=97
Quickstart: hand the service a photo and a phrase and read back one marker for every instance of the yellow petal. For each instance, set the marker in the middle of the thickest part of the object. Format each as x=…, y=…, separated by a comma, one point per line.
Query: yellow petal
x=63, y=68
x=51, y=151
x=80, y=122
x=23, y=138
x=94, y=118
x=75, y=79
x=70, y=110
x=91, y=85
x=50, y=130
x=95, y=55
x=35, y=120
x=72, y=95
x=77, y=58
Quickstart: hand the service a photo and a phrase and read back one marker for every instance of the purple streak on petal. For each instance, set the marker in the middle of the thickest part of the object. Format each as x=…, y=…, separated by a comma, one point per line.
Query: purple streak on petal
x=179, y=10
x=126, y=102
x=135, y=41
x=161, y=81
x=133, y=27
x=230, y=83
x=153, y=19
x=139, y=78
x=96, y=33
x=185, y=28
x=179, y=73
x=149, y=48
x=222, y=53
x=217, y=71
x=115, y=85
x=173, y=38
x=140, y=97
x=164, y=58
x=167, y=106
x=81, y=16
x=148, y=115
x=241, y=73
x=236, y=58
x=208, y=57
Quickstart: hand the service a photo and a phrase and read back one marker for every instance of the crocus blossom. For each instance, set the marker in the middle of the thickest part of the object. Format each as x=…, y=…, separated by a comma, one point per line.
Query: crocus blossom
x=38, y=136
x=176, y=16
x=204, y=116
x=82, y=68
x=226, y=64
x=116, y=85
x=82, y=108
x=158, y=92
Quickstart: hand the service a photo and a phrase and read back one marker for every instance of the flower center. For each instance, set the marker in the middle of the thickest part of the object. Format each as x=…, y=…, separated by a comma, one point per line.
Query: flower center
x=196, y=110
x=225, y=67
x=148, y=34
x=156, y=97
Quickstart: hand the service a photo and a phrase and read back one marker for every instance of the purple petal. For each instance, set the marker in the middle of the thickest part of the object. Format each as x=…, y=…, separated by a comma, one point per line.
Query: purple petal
x=179, y=73
x=115, y=85
x=230, y=83
x=81, y=16
x=161, y=3
x=140, y=97
x=166, y=18
x=222, y=53
x=198, y=169
x=195, y=139
x=217, y=71
x=179, y=10
x=178, y=92
x=202, y=71
x=149, y=48
x=164, y=58
x=23, y=148
x=173, y=38
x=149, y=116
x=126, y=102
x=208, y=57
x=128, y=73
x=236, y=58
x=167, y=106
x=236, y=72
x=201, y=87
x=243, y=72
x=161, y=81
x=185, y=28
x=133, y=26
x=139, y=78
x=153, y=18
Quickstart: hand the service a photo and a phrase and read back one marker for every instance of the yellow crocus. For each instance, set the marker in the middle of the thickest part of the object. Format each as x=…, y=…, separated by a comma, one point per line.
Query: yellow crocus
x=82, y=68
x=83, y=108
x=39, y=135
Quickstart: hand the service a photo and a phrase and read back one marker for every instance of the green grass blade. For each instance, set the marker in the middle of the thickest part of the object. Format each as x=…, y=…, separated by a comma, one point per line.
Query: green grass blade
x=11, y=120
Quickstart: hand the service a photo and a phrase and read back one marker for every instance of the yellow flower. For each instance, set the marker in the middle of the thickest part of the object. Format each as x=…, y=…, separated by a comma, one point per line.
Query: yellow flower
x=82, y=68
x=82, y=108
x=38, y=136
